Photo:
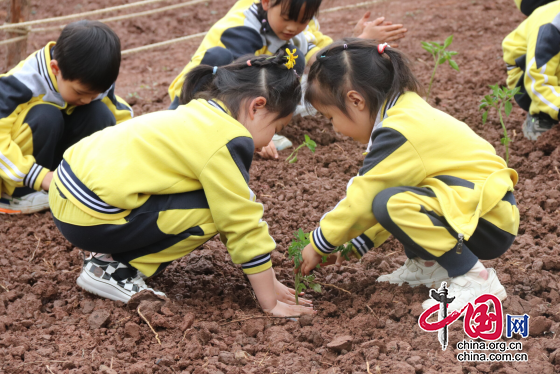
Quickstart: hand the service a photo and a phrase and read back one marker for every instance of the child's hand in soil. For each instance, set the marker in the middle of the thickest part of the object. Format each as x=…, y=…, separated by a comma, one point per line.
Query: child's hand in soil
x=333, y=259
x=379, y=30
x=310, y=259
x=269, y=151
x=287, y=295
x=284, y=310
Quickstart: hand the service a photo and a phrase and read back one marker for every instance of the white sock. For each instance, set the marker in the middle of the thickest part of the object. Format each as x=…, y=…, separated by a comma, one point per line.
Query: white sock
x=478, y=270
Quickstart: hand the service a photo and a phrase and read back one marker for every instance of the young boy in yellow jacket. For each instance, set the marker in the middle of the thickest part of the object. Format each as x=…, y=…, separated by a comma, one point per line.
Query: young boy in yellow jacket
x=427, y=179
x=532, y=56
x=150, y=191
x=48, y=102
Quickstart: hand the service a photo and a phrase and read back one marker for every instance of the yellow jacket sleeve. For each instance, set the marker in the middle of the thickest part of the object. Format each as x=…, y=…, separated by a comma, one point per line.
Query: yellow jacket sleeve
x=120, y=108
x=317, y=40
x=236, y=214
x=392, y=162
x=543, y=69
x=515, y=49
x=371, y=238
x=16, y=169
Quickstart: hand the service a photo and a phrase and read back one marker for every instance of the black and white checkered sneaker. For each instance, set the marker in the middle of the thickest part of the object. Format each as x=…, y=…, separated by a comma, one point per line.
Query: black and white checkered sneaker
x=112, y=280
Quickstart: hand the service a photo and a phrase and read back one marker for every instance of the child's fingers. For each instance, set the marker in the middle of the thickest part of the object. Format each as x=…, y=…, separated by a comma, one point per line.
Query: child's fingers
x=393, y=28
x=377, y=21
x=299, y=310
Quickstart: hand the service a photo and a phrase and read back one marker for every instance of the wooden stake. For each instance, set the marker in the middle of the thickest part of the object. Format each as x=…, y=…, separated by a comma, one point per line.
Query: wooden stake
x=18, y=12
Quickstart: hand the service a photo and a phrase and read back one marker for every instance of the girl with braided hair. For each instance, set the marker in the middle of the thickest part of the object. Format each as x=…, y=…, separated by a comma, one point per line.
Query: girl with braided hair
x=141, y=195
x=427, y=178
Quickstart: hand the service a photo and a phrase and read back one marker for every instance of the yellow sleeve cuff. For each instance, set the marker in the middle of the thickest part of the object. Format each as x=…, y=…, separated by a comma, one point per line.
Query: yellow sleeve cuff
x=315, y=246
x=39, y=180
x=258, y=269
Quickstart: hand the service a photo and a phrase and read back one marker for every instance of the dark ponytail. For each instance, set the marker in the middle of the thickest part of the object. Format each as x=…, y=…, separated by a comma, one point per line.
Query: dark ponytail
x=356, y=64
x=247, y=78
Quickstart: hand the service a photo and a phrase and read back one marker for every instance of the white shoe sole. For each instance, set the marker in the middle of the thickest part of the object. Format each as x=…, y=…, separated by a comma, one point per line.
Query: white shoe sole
x=27, y=210
x=100, y=288
x=427, y=283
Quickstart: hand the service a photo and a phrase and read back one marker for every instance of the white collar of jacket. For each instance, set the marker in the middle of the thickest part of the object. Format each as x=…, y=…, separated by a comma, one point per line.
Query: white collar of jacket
x=272, y=42
x=37, y=75
x=381, y=115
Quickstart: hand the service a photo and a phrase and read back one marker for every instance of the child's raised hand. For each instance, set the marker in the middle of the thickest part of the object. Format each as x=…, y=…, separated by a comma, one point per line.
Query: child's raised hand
x=287, y=295
x=269, y=151
x=310, y=259
x=284, y=310
x=359, y=28
x=381, y=31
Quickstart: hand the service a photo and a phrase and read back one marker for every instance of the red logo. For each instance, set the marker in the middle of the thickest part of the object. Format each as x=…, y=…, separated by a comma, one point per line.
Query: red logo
x=479, y=322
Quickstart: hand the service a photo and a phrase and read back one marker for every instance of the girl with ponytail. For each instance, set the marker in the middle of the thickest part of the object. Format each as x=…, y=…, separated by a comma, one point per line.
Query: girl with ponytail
x=427, y=178
x=150, y=191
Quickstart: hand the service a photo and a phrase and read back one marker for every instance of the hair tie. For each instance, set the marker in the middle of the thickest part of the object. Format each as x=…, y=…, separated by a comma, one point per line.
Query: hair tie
x=291, y=58
x=345, y=46
x=215, y=70
x=381, y=48
x=249, y=63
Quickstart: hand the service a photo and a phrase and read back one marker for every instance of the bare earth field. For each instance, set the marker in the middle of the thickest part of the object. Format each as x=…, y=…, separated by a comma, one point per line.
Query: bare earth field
x=48, y=325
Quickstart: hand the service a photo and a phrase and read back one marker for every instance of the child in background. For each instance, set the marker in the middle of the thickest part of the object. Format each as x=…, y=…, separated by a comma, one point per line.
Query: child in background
x=264, y=27
x=182, y=177
x=527, y=7
x=532, y=56
x=48, y=102
x=427, y=178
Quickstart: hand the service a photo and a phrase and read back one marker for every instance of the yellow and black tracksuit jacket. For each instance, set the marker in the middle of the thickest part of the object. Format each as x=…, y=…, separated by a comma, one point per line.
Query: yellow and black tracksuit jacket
x=532, y=55
x=527, y=7
x=413, y=144
x=240, y=33
x=29, y=84
x=197, y=147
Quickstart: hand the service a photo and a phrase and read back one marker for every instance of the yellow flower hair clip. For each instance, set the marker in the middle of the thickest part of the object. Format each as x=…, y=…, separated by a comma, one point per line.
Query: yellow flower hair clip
x=291, y=58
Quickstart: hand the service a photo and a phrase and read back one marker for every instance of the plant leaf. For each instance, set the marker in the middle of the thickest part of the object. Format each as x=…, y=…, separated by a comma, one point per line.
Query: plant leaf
x=484, y=117
x=508, y=107
x=448, y=41
x=454, y=65
x=315, y=287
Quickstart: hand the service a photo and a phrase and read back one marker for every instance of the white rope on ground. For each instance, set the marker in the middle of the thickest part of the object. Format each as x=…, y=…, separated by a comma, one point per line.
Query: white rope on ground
x=126, y=16
x=13, y=40
x=183, y=38
x=82, y=15
x=359, y=5
x=161, y=44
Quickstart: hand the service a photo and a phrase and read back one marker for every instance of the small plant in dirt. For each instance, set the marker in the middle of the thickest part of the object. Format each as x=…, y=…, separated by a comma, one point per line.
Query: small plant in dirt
x=308, y=142
x=500, y=99
x=301, y=282
x=441, y=55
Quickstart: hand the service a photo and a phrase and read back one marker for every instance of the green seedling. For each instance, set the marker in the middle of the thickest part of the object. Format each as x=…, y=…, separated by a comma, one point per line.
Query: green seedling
x=308, y=142
x=345, y=250
x=441, y=56
x=501, y=98
x=301, y=282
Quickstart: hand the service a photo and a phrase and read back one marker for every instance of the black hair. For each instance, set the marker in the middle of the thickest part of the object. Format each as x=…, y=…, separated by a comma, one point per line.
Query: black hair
x=292, y=9
x=89, y=52
x=356, y=64
x=266, y=76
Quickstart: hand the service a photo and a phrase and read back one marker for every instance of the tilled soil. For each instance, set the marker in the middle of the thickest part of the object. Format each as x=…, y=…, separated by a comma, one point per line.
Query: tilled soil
x=48, y=325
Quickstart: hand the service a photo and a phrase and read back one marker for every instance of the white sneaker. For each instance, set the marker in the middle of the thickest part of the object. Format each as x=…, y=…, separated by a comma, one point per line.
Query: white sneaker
x=281, y=142
x=415, y=273
x=30, y=203
x=466, y=288
x=112, y=280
